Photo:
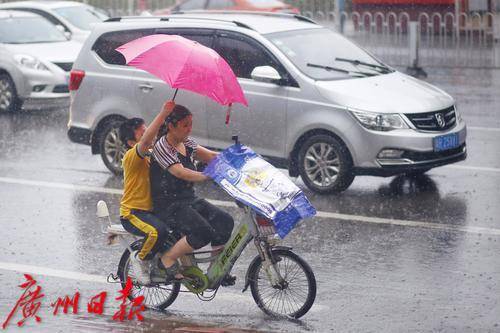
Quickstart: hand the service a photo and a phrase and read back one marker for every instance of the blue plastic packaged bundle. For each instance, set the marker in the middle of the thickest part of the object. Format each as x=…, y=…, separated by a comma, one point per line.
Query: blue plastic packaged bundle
x=247, y=177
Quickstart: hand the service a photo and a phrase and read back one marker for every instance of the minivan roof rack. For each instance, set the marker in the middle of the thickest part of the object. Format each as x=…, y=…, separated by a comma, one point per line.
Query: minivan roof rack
x=248, y=12
x=167, y=18
x=120, y=18
x=304, y=18
x=238, y=23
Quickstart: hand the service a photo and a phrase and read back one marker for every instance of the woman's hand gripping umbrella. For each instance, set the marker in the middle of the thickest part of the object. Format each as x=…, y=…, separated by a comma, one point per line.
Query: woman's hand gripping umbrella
x=185, y=64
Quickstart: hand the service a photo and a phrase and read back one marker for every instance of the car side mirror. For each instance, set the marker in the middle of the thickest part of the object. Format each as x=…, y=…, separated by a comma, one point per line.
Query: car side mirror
x=266, y=74
x=66, y=33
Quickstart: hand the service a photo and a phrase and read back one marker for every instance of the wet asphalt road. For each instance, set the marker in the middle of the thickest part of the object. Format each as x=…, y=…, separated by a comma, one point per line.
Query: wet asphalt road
x=390, y=254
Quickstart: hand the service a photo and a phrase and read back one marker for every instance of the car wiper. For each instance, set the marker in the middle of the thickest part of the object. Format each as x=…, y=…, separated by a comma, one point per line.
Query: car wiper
x=336, y=69
x=359, y=62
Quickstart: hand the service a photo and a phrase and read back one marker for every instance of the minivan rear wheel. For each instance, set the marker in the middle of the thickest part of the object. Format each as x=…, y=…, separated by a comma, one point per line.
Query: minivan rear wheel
x=111, y=147
x=9, y=102
x=325, y=164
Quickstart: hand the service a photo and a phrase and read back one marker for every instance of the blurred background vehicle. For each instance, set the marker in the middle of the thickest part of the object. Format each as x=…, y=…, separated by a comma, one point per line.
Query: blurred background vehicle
x=35, y=61
x=251, y=5
x=75, y=19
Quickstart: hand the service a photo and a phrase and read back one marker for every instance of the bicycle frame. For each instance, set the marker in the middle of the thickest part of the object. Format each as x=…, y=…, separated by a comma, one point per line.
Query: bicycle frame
x=224, y=262
x=241, y=237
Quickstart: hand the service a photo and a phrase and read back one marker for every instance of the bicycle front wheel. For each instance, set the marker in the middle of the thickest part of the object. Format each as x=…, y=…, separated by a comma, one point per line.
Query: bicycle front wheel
x=294, y=296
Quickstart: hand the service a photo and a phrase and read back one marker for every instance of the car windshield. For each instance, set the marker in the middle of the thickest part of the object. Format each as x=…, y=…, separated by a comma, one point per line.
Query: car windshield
x=81, y=16
x=23, y=30
x=322, y=47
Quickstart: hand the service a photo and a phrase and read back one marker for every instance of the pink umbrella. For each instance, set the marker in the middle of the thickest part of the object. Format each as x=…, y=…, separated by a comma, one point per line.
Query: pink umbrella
x=185, y=64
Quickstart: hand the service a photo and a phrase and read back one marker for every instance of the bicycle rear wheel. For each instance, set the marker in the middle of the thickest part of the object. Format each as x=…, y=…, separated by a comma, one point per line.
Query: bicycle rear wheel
x=156, y=296
x=296, y=293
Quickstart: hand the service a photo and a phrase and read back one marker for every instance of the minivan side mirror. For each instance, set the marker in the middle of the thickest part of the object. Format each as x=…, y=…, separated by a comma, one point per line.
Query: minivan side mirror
x=266, y=74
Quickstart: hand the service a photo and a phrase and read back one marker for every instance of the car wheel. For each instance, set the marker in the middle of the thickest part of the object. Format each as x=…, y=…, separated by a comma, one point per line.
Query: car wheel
x=9, y=101
x=111, y=147
x=325, y=164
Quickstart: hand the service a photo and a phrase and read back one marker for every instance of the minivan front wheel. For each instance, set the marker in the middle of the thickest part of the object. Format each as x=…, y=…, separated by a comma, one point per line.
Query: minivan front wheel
x=111, y=147
x=325, y=164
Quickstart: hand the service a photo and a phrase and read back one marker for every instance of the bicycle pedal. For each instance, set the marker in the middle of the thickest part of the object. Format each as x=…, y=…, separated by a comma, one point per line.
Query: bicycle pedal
x=228, y=280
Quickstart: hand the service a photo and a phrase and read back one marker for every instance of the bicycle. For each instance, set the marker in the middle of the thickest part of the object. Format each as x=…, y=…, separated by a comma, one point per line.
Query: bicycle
x=282, y=283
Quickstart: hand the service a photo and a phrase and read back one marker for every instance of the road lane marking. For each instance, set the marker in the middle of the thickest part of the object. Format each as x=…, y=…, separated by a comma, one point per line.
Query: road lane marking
x=473, y=168
x=52, y=272
x=488, y=129
x=321, y=214
x=407, y=223
x=64, y=186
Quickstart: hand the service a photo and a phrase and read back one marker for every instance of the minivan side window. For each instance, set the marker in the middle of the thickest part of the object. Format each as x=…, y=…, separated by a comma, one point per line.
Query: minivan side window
x=244, y=54
x=202, y=36
x=106, y=44
x=202, y=39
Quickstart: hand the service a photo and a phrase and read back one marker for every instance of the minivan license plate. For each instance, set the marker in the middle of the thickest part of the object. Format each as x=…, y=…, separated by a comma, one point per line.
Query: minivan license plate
x=445, y=142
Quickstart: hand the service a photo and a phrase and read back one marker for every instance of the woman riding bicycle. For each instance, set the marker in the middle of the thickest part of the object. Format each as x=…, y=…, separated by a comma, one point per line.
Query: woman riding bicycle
x=173, y=174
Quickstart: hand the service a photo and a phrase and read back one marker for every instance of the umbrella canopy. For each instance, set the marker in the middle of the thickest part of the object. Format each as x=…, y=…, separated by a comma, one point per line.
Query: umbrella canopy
x=185, y=64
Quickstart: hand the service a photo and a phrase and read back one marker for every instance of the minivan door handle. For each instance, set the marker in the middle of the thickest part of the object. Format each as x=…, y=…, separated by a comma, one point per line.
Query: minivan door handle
x=146, y=87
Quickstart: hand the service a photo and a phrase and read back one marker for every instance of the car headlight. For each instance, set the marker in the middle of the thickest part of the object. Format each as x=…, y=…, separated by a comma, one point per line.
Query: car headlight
x=30, y=62
x=380, y=121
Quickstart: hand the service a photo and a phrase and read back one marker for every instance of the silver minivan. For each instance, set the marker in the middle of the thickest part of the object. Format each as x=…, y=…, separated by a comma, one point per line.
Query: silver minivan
x=319, y=105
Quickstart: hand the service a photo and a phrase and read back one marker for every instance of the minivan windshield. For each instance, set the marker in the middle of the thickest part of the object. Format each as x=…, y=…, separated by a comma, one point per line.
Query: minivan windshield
x=81, y=16
x=23, y=30
x=323, y=49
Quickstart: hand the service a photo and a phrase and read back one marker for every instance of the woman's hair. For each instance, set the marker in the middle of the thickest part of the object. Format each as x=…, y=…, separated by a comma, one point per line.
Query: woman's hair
x=127, y=129
x=178, y=113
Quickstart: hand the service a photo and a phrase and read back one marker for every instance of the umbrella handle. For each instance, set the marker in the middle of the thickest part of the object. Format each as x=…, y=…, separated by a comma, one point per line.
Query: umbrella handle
x=175, y=94
x=228, y=113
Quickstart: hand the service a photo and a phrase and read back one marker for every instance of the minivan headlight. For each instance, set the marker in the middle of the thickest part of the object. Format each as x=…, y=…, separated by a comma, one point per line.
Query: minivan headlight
x=30, y=62
x=380, y=121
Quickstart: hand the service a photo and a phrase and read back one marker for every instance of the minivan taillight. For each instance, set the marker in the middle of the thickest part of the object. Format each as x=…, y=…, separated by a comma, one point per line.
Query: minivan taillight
x=75, y=79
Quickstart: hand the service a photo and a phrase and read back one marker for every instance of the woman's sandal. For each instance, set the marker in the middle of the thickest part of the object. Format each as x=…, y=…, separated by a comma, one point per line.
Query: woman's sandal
x=173, y=272
x=169, y=273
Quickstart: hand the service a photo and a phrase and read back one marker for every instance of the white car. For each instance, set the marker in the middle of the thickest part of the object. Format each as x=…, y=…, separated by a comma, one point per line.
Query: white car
x=75, y=19
x=35, y=60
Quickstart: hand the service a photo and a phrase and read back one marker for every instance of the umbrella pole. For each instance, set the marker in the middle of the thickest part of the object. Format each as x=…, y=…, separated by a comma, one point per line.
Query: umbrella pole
x=175, y=94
